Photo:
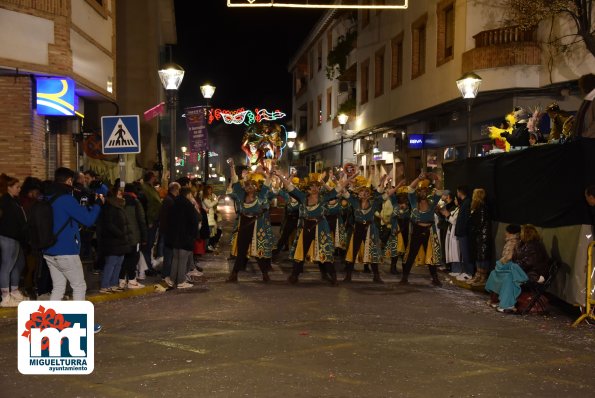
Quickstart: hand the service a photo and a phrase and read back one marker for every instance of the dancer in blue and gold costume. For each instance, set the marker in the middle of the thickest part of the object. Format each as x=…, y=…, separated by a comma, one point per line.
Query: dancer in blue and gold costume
x=313, y=239
x=253, y=237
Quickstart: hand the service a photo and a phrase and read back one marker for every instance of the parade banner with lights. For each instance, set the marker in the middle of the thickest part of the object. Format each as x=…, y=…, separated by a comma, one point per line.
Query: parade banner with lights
x=55, y=96
x=198, y=139
x=349, y=4
x=244, y=116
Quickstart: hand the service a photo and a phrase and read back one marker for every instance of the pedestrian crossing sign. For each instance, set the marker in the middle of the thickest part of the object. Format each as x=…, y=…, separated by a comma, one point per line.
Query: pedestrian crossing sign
x=120, y=134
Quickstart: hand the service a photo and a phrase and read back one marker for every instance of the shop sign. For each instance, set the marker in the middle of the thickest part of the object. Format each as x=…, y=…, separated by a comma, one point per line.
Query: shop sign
x=55, y=96
x=415, y=141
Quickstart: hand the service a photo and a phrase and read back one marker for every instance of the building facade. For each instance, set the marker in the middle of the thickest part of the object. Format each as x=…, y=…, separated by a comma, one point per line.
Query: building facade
x=402, y=73
x=104, y=53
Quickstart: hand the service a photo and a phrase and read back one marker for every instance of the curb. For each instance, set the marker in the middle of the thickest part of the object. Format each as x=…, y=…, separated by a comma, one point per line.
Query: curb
x=95, y=298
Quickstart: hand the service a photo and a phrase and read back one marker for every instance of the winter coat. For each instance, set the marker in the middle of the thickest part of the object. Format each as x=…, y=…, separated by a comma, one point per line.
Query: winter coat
x=135, y=214
x=532, y=258
x=210, y=205
x=13, y=222
x=166, y=205
x=69, y=212
x=462, y=227
x=182, y=225
x=115, y=235
x=480, y=229
x=153, y=203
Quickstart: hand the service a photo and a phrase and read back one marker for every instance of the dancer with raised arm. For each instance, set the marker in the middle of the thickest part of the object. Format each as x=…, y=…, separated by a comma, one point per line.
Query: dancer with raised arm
x=253, y=238
x=313, y=237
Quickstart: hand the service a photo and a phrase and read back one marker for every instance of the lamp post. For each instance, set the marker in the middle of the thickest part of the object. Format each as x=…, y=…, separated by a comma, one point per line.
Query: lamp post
x=468, y=85
x=343, y=118
x=207, y=92
x=171, y=76
x=291, y=136
x=184, y=149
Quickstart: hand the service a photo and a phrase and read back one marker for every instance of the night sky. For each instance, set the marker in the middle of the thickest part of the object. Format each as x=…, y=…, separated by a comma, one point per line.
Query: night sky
x=244, y=52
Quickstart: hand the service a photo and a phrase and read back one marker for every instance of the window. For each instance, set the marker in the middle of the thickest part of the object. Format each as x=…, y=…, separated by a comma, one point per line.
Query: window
x=329, y=103
x=446, y=31
x=310, y=115
x=364, y=80
x=379, y=72
x=311, y=64
x=396, y=68
x=100, y=6
x=319, y=53
x=319, y=109
x=418, y=48
x=329, y=41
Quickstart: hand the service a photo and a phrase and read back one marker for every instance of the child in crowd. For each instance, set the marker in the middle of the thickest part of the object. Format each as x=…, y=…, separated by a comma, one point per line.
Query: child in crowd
x=505, y=280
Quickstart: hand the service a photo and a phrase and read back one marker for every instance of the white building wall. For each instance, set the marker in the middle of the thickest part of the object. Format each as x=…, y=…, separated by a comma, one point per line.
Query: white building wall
x=89, y=61
x=101, y=29
x=25, y=38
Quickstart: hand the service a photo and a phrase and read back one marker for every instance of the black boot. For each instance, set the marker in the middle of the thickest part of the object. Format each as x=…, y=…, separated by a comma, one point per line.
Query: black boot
x=405, y=277
x=367, y=268
x=434, y=273
x=376, y=272
x=330, y=268
x=295, y=273
x=393, y=266
x=265, y=272
x=233, y=277
x=348, y=272
x=323, y=272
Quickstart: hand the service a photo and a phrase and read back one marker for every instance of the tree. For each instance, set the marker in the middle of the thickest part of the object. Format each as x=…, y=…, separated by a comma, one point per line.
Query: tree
x=529, y=13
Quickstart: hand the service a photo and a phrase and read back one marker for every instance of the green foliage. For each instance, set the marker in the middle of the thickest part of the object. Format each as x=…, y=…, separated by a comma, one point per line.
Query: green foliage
x=347, y=107
x=337, y=57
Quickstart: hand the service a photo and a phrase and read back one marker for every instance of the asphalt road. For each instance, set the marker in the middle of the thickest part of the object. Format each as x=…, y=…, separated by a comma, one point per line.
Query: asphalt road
x=312, y=340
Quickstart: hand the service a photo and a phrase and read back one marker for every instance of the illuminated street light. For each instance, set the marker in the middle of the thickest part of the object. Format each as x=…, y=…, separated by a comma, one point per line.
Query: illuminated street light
x=171, y=76
x=468, y=85
x=343, y=118
x=207, y=92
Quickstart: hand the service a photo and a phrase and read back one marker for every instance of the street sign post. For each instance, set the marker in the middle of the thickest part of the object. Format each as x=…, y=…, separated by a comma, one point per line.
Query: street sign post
x=120, y=135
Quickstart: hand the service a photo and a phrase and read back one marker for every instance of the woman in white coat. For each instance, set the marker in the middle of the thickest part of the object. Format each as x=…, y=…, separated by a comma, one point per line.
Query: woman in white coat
x=210, y=201
x=452, y=250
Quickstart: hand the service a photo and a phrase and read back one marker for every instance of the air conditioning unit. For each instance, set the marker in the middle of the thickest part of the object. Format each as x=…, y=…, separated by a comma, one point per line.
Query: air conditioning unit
x=343, y=87
x=361, y=146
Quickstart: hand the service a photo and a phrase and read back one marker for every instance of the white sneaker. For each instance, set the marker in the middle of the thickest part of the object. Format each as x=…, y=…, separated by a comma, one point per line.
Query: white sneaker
x=454, y=274
x=168, y=281
x=210, y=248
x=195, y=272
x=105, y=290
x=184, y=285
x=133, y=284
x=464, y=277
x=157, y=263
x=17, y=296
x=9, y=301
x=122, y=283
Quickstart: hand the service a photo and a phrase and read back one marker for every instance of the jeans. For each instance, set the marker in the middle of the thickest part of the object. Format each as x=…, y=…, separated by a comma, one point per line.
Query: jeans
x=66, y=268
x=111, y=271
x=465, y=254
x=13, y=262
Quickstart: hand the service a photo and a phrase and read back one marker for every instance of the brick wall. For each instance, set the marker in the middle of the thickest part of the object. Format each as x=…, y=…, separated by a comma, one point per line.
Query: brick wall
x=22, y=133
x=497, y=56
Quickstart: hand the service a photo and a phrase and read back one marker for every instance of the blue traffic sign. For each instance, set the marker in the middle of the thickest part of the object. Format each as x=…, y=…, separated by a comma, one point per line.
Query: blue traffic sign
x=120, y=134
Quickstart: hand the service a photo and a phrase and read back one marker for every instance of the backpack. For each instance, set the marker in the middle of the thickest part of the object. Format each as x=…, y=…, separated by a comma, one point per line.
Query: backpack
x=41, y=224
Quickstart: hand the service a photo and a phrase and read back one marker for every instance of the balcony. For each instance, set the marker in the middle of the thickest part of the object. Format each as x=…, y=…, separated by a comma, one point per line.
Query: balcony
x=503, y=47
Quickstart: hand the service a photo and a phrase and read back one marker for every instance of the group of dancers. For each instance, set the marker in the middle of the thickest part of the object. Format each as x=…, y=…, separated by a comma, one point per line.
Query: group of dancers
x=335, y=215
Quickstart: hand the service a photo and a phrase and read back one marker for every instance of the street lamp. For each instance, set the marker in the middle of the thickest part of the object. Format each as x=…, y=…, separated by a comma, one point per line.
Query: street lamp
x=207, y=92
x=184, y=149
x=468, y=85
x=291, y=136
x=171, y=76
x=343, y=118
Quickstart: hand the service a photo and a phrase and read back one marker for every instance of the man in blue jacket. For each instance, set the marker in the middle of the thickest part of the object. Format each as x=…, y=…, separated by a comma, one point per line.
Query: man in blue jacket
x=63, y=258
